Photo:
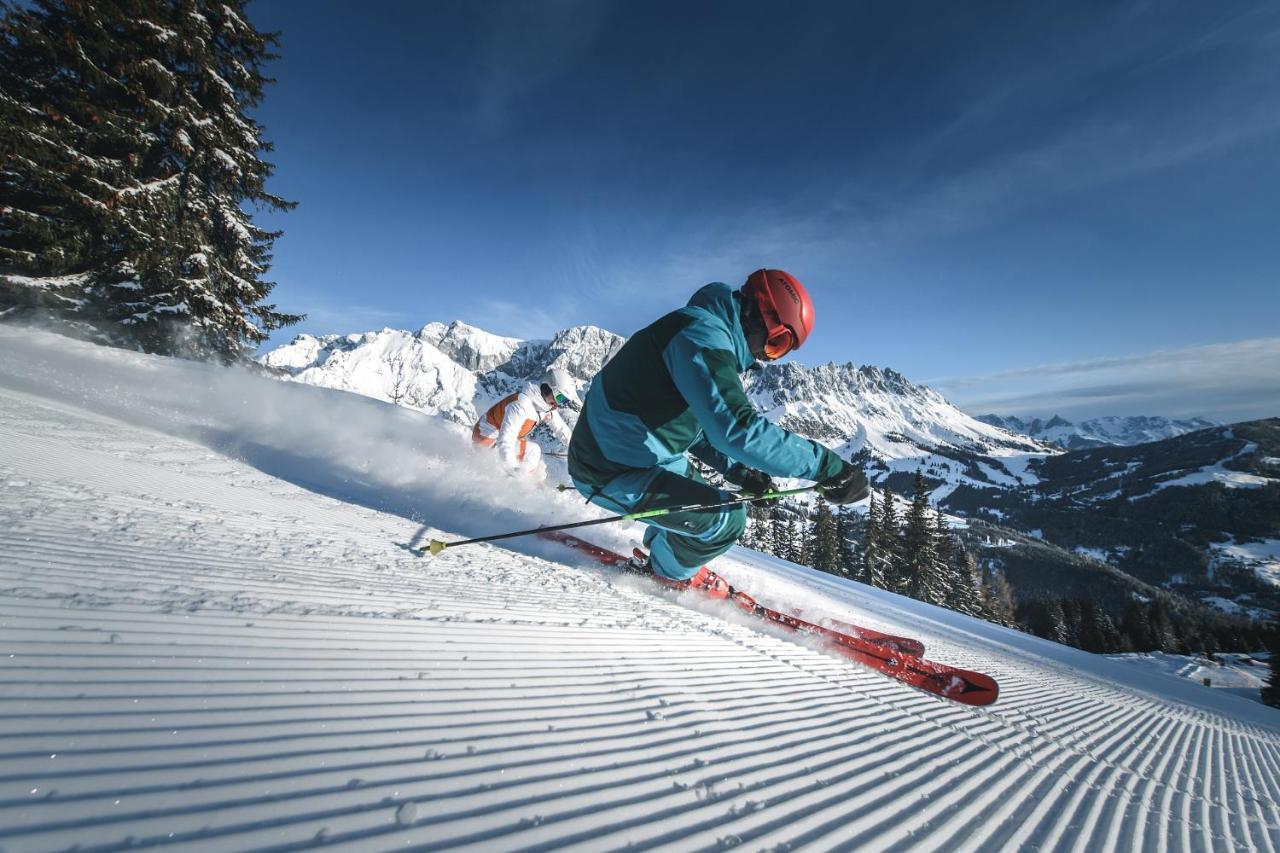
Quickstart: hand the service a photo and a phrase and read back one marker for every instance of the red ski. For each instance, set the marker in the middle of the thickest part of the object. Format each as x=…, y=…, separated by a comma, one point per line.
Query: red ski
x=882, y=652
x=902, y=645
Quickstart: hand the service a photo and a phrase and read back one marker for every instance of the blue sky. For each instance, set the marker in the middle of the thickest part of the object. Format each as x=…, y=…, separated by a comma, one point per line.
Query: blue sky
x=1034, y=207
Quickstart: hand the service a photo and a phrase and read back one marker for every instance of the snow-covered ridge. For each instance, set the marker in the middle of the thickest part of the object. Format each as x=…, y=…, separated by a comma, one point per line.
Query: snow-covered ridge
x=1098, y=432
x=877, y=407
x=456, y=370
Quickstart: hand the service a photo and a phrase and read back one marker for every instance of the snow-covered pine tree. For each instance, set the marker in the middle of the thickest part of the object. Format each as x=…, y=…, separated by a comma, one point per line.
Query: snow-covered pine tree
x=870, y=555
x=1071, y=620
x=847, y=557
x=824, y=542
x=1163, y=629
x=795, y=542
x=1098, y=633
x=942, y=539
x=1056, y=617
x=748, y=537
x=966, y=591
x=127, y=159
x=960, y=576
x=889, y=540
x=997, y=595
x=923, y=572
x=763, y=535
x=780, y=534
x=756, y=535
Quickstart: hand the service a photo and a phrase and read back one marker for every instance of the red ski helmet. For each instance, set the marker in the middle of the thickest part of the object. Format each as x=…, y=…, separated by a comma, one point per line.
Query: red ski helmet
x=785, y=308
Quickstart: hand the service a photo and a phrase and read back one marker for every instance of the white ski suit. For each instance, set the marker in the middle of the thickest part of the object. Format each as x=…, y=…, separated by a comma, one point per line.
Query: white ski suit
x=508, y=423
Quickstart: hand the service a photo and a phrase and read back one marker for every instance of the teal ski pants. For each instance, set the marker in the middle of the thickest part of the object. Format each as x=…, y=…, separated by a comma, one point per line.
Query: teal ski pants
x=682, y=542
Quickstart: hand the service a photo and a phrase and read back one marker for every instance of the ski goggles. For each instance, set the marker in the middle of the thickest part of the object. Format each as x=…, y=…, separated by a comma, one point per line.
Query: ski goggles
x=779, y=339
x=560, y=399
x=779, y=343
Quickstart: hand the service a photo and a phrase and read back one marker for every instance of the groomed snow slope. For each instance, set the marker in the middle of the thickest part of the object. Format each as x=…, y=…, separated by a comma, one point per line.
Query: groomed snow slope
x=213, y=635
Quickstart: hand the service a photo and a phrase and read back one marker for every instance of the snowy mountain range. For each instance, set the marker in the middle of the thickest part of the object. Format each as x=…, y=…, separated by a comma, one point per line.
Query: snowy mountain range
x=456, y=371
x=1098, y=432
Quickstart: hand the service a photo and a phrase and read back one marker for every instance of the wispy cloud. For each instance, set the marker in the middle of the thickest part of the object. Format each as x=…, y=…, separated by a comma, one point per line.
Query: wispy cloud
x=923, y=191
x=1225, y=382
x=523, y=319
x=529, y=45
x=332, y=318
x=1077, y=160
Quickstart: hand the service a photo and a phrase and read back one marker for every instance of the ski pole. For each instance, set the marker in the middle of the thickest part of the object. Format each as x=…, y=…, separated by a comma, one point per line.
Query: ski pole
x=435, y=546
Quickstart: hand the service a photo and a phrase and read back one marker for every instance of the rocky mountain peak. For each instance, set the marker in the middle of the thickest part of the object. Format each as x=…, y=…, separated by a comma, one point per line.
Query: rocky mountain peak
x=583, y=350
x=474, y=349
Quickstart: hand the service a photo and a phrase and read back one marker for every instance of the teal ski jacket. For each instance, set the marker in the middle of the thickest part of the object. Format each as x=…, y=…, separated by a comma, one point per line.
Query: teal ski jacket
x=674, y=388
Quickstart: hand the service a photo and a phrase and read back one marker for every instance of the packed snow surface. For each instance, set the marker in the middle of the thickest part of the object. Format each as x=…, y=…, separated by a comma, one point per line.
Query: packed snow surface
x=216, y=636
x=1241, y=674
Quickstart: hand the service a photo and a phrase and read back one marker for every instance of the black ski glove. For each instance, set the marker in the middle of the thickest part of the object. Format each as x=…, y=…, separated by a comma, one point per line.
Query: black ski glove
x=846, y=487
x=753, y=482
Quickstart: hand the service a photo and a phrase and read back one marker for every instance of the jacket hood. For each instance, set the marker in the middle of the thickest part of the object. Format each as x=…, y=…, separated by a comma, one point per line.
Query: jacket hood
x=532, y=392
x=720, y=301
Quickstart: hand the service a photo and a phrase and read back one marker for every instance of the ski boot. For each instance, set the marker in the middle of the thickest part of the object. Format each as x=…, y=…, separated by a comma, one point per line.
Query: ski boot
x=704, y=581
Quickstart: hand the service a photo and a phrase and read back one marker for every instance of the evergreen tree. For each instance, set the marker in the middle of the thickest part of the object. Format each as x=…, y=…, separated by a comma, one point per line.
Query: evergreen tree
x=924, y=581
x=748, y=537
x=1059, y=631
x=847, y=557
x=1098, y=633
x=1271, y=691
x=756, y=536
x=780, y=542
x=871, y=555
x=824, y=543
x=764, y=530
x=127, y=157
x=1163, y=631
x=1071, y=622
x=1044, y=618
x=961, y=578
x=998, y=597
x=795, y=542
x=967, y=588
x=888, y=539
x=945, y=544
x=1136, y=624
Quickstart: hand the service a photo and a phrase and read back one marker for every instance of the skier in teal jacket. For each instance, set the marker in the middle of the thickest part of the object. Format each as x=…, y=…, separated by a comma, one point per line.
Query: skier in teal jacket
x=675, y=389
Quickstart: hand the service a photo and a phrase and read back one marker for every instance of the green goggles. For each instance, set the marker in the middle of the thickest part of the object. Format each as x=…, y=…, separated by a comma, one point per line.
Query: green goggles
x=560, y=399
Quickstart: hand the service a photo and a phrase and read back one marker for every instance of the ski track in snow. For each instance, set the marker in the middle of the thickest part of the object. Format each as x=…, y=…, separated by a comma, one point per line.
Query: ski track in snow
x=196, y=652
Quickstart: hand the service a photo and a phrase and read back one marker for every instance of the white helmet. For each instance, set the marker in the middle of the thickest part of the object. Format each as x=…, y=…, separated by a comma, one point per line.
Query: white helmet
x=559, y=385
